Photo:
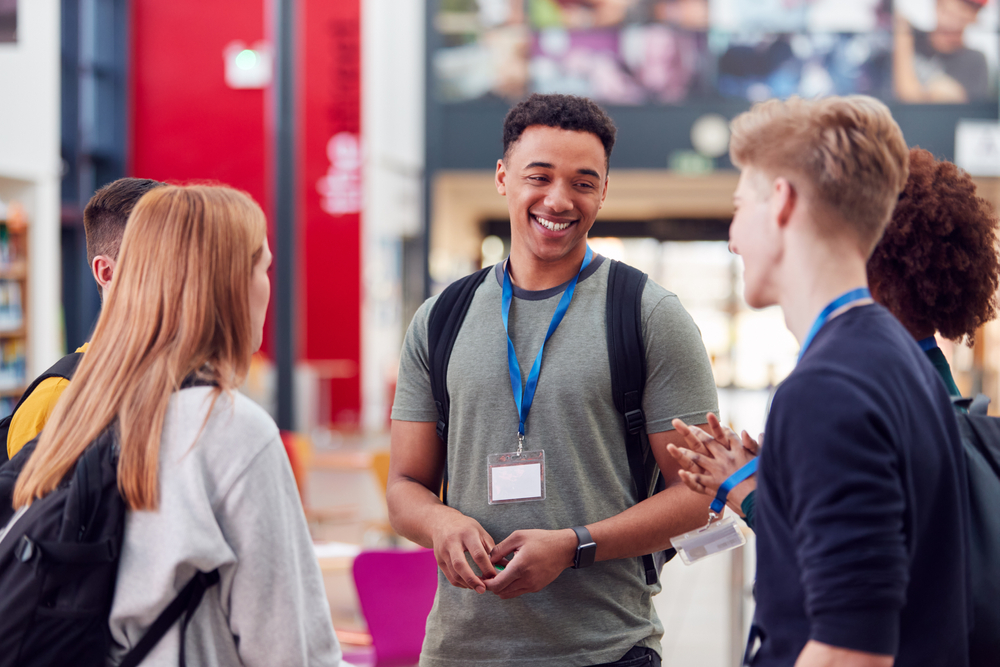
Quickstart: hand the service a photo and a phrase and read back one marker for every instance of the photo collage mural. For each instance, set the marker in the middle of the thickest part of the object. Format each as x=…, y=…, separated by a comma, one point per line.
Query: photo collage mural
x=666, y=52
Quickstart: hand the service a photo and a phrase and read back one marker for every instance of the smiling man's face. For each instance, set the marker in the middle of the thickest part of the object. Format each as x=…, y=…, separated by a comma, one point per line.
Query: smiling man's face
x=555, y=181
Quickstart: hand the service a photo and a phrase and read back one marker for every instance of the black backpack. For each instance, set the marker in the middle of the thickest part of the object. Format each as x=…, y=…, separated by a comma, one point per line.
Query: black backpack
x=626, y=353
x=64, y=368
x=981, y=443
x=58, y=564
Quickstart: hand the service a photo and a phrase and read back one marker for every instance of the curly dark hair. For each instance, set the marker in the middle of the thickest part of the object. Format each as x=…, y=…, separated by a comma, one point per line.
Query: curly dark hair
x=936, y=267
x=567, y=112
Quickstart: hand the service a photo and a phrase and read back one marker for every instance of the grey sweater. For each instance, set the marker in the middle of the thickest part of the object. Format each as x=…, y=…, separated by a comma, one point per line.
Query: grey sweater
x=227, y=500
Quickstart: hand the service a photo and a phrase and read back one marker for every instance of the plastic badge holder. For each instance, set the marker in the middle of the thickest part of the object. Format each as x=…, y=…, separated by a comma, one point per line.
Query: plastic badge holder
x=516, y=477
x=710, y=540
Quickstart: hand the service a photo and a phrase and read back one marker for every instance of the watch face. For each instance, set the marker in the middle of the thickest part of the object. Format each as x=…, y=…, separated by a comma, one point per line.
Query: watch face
x=585, y=554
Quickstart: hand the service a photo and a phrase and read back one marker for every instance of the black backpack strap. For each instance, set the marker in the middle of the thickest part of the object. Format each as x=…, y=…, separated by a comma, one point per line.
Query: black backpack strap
x=195, y=380
x=443, y=325
x=185, y=604
x=627, y=355
x=64, y=368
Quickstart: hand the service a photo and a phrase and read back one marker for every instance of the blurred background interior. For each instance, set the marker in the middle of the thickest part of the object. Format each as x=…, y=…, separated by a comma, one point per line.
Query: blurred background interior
x=383, y=193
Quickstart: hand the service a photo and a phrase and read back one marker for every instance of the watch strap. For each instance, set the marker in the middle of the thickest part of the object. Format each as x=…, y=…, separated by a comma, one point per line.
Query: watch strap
x=586, y=548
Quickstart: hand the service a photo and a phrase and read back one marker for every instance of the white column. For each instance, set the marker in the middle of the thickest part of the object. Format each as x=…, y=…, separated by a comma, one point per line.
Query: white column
x=393, y=134
x=30, y=165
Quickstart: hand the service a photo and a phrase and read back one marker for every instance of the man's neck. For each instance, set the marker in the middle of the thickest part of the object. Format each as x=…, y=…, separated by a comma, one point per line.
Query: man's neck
x=814, y=282
x=530, y=273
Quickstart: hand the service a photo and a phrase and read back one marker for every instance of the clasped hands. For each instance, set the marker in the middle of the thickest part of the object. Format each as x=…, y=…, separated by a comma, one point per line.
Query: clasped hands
x=532, y=559
x=710, y=458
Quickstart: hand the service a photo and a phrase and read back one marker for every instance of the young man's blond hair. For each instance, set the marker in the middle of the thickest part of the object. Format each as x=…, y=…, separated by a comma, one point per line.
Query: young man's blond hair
x=845, y=153
x=861, y=435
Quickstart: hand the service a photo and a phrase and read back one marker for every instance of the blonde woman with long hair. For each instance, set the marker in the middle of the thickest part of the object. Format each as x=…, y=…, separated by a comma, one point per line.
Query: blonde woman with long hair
x=202, y=469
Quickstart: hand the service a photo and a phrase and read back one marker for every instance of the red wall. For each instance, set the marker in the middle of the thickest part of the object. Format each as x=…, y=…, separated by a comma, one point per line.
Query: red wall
x=187, y=124
x=332, y=233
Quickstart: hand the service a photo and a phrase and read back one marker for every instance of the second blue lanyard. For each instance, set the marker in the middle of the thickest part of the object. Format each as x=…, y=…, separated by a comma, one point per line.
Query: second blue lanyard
x=846, y=299
x=524, y=396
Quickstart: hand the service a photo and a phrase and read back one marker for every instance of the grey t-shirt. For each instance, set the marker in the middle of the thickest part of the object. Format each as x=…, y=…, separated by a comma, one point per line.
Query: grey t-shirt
x=587, y=616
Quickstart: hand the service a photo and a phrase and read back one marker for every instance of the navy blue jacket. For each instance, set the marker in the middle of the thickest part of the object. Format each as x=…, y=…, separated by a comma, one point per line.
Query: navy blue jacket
x=862, y=507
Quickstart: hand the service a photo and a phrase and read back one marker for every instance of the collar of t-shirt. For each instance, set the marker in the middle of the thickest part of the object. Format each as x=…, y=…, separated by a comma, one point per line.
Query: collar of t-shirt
x=541, y=295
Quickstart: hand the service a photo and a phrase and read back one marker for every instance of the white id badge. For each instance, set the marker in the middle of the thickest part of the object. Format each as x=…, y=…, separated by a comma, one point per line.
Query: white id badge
x=712, y=539
x=516, y=477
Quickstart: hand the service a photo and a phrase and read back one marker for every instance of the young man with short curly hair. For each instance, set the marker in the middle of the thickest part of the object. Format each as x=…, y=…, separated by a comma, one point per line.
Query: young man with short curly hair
x=545, y=609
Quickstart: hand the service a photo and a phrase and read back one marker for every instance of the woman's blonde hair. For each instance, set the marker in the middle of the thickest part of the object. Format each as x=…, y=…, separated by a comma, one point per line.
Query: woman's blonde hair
x=179, y=304
x=849, y=150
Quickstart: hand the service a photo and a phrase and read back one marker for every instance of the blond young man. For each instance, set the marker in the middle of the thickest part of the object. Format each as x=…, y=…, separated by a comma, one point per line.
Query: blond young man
x=861, y=518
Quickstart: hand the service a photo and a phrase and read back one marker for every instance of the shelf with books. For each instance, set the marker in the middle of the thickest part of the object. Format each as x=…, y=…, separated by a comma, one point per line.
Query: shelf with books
x=13, y=301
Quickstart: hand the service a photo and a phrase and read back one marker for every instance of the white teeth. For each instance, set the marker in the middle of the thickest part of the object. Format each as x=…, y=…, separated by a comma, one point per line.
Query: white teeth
x=553, y=226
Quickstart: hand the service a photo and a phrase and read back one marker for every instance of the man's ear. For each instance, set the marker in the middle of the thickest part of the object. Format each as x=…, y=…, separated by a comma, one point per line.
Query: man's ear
x=784, y=199
x=604, y=192
x=500, y=180
x=103, y=268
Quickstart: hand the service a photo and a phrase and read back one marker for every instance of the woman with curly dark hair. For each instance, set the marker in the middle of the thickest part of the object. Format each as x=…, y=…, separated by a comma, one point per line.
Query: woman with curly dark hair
x=936, y=267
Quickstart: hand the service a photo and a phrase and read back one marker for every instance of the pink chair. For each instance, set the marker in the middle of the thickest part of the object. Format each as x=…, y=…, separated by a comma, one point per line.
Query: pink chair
x=396, y=591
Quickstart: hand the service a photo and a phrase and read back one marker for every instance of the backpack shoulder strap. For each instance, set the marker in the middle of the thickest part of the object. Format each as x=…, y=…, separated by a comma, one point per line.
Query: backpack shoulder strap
x=626, y=349
x=64, y=368
x=443, y=325
x=627, y=355
x=184, y=605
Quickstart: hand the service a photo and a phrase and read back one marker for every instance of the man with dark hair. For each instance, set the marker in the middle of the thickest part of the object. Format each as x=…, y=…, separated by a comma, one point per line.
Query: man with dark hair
x=936, y=65
x=104, y=221
x=566, y=112
x=542, y=562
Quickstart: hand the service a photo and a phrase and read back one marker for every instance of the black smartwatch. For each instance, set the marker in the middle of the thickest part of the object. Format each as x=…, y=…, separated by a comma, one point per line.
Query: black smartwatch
x=586, y=548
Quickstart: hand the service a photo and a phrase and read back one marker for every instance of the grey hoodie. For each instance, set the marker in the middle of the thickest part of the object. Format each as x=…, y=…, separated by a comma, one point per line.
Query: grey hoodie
x=227, y=500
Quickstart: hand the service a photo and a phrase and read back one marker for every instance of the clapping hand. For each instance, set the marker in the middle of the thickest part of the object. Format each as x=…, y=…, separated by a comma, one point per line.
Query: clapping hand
x=710, y=458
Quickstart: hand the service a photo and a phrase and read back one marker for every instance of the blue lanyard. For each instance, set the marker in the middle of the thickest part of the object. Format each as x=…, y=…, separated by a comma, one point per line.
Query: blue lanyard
x=928, y=344
x=749, y=468
x=835, y=305
x=524, y=397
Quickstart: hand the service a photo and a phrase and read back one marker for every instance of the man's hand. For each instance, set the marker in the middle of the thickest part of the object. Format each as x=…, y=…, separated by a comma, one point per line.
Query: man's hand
x=712, y=457
x=453, y=538
x=537, y=558
x=416, y=512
